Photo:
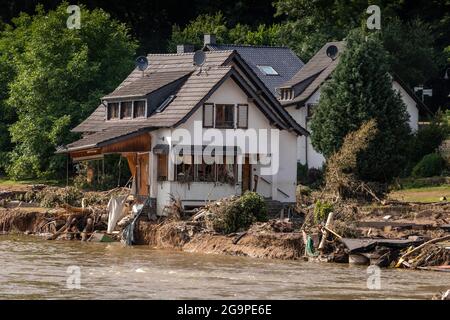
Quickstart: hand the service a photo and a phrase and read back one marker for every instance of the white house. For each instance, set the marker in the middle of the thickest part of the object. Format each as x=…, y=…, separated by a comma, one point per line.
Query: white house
x=301, y=94
x=166, y=119
x=247, y=107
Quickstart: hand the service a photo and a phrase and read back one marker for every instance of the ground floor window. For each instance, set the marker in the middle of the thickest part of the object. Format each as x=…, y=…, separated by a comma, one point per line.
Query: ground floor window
x=188, y=170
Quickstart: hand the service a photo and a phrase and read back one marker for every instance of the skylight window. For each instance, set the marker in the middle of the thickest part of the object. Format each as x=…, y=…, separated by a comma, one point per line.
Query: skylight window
x=165, y=103
x=268, y=70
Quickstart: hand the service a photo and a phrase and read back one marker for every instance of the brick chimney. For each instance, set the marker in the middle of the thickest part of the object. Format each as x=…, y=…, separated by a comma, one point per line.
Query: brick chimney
x=209, y=39
x=185, y=48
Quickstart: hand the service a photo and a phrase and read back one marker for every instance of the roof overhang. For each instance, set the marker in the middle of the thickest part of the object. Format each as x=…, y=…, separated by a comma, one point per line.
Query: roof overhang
x=109, y=141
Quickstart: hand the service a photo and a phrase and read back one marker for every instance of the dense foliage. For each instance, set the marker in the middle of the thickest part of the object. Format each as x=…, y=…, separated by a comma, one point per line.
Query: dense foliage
x=51, y=77
x=59, y=76
x=431, y=165
x=361, y=90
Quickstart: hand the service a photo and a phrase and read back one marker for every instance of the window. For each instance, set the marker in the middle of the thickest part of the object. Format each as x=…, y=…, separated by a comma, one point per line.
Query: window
x=225, y=116
x=242, y=120
x=227, y=170
x=126, y=110
x=184, y=170
x=113, y=111
x=268, y=70
x=287, y=94
x=162, y=167
x=311, y=107
x=208, y=115
x=189, y=171
x=205, y=172
x=139, y=109
x=165, y=103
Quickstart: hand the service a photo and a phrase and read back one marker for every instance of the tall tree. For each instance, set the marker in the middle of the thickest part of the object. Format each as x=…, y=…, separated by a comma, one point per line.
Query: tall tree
x=361, y=90
x=225, y=32
x=61, y=74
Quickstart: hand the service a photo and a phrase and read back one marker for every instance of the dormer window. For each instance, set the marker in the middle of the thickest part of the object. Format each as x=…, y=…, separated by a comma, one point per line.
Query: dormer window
x=113, y=111
x=139, y=109
x=126, y=110
x=287, y=94
x=268, y=70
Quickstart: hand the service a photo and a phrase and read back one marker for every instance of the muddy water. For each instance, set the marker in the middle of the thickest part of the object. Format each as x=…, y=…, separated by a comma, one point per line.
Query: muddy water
x=35, y=269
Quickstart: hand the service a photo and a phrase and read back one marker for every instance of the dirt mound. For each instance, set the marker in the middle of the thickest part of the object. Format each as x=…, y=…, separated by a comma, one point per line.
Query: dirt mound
x=31, y=220
x=259, y=242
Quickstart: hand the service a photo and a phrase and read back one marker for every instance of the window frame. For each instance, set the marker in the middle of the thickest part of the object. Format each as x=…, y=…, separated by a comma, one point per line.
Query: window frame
x=108, y=113
x=224, y=125
x=121, y=117
x=262, y=67
x=145, y=109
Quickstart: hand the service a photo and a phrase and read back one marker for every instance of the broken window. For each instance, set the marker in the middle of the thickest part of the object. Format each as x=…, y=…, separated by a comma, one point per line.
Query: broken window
x=139, y=109
x=126, y=110
x=113, y=111
x=225, y=116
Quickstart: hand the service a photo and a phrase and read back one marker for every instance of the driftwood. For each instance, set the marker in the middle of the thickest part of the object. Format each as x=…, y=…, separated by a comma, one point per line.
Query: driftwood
x=76, y=213
x=402, y=258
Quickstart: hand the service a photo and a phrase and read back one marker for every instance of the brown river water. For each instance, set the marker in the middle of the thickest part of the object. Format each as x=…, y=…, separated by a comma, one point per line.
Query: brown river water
x=32, y=268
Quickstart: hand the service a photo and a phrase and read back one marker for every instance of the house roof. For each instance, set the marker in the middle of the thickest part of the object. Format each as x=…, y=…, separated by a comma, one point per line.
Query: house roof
x=196, y=87
x=147, y=84
x=282, y=59
x=309, y=79
x=313, y=74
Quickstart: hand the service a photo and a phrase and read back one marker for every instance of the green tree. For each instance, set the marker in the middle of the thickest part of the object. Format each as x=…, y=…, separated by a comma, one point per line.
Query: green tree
x=412, y=49
x=225, y=34
x=60, y=75
x=360, y=90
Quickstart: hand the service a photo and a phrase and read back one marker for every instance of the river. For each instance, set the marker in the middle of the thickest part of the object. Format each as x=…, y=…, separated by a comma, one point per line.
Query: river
x=32, y=268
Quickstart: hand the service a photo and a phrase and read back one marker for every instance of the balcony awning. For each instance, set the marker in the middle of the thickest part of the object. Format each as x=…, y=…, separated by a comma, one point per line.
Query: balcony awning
x=113, y=140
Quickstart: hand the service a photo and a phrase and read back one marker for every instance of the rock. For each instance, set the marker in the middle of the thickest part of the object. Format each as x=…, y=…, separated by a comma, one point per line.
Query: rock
x=443, y=199
x=446, y=295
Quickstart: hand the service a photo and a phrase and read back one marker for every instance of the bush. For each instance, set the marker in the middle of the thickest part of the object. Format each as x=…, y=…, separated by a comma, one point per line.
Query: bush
x=238, y=214
x=253, y=204
x=428, y=138
x=321, y=211
x=431, y=165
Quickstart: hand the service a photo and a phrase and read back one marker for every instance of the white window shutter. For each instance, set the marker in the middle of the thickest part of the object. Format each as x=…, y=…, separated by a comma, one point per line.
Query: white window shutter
x=208, y=115
x=242, y=122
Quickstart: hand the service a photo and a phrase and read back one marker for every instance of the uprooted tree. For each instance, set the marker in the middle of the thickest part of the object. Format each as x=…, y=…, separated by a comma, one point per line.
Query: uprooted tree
x=341, y=172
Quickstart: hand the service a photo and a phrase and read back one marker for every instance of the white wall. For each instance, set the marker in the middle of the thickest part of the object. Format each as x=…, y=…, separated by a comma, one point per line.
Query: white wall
x=285, y=180
x=411, y=106
x=305, y=151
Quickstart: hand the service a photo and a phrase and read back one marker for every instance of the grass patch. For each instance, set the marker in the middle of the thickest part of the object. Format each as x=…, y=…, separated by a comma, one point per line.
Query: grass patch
x=426, y=194
x=6, y=182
